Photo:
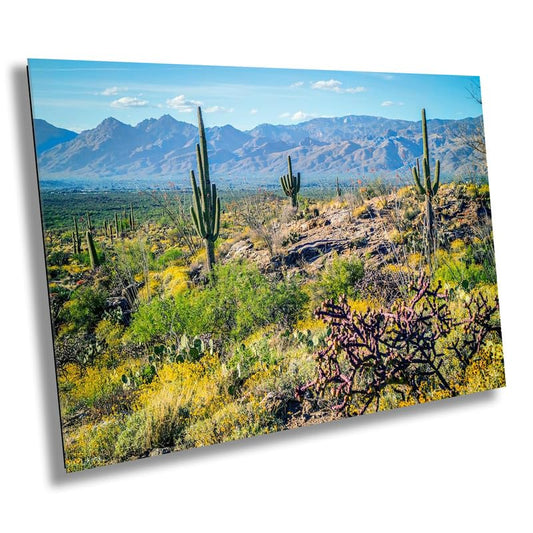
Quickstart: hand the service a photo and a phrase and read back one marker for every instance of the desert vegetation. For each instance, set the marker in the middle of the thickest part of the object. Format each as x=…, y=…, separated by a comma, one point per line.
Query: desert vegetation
x=189, y=318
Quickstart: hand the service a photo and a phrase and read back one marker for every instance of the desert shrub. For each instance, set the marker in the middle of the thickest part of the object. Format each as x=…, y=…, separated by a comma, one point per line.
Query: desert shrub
x=109, y=332
x=373, y=188
x=95, y=388
x=74, y=347
x=340, y=276
x=410, y=213
x=273, y=386
x=363, y=211
x=85, y=307
x=385, y=285
x=182, y=394
x=485, y=371
x=417, y=346
x=257, y=212
x=159, y=320
x=238, y=301
x=132, y=261
x=481, y=252
x=92, y=445
x=235, y=420
x=58, y=296
x=170, y=256
x=156, y=426
x=246, y=359
x=58, y=258
x=470, y=266
x=243, y=300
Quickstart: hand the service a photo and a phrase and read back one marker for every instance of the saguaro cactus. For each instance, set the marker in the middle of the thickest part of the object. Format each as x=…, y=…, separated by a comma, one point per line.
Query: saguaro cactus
x=132, y=219
x=205, y=209
x=338, y=188
x=428, y=189
x=291, y=184
x=89, y=221
x=76, y=237
x=93, y=256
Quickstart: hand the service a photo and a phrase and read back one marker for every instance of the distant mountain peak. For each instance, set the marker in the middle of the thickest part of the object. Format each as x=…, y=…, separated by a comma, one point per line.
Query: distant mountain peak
x=110, y=120
x=47, y=135
x=322, y=146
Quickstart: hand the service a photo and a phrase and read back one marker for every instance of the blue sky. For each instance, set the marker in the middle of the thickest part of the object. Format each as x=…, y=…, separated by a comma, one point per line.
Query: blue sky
x=78, y=95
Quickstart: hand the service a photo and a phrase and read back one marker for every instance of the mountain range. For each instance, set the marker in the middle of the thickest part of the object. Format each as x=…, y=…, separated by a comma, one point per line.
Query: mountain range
x=165, y=147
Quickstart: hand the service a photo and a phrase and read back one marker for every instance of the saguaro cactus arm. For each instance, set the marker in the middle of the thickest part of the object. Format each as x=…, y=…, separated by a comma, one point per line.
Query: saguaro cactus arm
x=416, y=176
x=429, y=188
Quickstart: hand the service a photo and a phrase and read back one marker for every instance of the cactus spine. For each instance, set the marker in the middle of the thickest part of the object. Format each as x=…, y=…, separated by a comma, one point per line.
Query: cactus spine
x=427, y=188
x=291, y=184
x=205, y=209
x=93, y=256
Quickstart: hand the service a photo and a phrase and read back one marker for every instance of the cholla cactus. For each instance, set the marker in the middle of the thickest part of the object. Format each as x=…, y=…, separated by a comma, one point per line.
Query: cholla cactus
x=410, y=347
x=205, y=209
x=291, y=184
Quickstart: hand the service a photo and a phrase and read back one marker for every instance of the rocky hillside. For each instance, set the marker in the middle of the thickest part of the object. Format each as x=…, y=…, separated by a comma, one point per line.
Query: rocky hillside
x=385, y=230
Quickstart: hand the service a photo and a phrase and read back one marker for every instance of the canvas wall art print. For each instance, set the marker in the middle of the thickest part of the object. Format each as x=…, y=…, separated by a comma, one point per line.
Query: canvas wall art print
x=235, y=251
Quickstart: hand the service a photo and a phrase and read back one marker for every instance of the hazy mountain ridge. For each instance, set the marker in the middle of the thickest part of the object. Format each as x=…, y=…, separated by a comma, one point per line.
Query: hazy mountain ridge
x=321, y=146
x=47, y=136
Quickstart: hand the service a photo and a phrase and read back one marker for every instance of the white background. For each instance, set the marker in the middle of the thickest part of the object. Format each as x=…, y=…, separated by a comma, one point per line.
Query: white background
x=457, y=465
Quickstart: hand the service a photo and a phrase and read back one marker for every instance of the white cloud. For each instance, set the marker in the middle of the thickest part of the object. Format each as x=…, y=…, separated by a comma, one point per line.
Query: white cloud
x=218, y=109
x=298, y=116
x=182, y=104
x=354, y=90
x=327, y=85
x=336, y=87
x=296, y=84
x=128, y=101
x=254, y=111
x=110, y=91
x=388, y=103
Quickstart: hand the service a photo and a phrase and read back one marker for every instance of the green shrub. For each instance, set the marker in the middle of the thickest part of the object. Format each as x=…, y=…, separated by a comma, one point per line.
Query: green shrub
x=170, y=256
x=339, y=277
x=86, y=307
x=243, y=300
x=156, y=321
x=238, y=301
x=474, y=267
x=58, y=258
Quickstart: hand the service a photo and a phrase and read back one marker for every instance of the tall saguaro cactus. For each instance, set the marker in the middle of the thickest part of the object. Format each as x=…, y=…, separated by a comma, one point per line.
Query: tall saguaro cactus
x=76, y=237
x=93, y=256
x=205, y=209
x=132, y=219
x=428, y=188
x=291, y=184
